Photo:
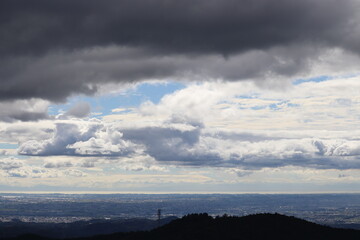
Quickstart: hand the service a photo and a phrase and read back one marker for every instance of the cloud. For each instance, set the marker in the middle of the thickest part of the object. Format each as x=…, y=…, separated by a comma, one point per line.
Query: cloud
x=194, y=147
x=240, y=172
x=79, y=110
x=223, y=125
x=218, y=26
x=24, y=131
x=84, y=139
x=10, y=163
x=61, y=164
x=37, y=109
x=74, y=173
x=38, y=173
x=59, y=75
x=166, y=144
x=285, y=152
x=88, y=163
x=65, y=134
x=55, y=49
x=24, y=110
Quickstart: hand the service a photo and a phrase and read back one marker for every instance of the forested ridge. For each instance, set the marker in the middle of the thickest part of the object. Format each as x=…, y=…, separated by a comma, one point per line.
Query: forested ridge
x=252, y=227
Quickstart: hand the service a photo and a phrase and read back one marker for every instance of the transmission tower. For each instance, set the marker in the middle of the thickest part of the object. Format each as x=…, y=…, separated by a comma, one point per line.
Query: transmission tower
x=159, y=215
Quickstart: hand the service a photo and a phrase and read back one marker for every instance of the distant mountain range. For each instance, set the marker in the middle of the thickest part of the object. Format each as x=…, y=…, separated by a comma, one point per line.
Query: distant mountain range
x=205, y=227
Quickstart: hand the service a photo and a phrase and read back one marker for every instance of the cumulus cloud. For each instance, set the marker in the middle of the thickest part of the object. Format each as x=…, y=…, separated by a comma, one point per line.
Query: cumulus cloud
x=257, y=152
x=284, y=152
x=88, y=139
x=63, y=135
x=55, y=49
x=194, y=148
x=228, y=125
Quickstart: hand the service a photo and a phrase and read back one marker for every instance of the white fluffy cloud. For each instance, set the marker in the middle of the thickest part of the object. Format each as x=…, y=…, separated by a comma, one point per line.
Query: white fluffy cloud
x=232, y=125
x=81, y=138
x=10, y=163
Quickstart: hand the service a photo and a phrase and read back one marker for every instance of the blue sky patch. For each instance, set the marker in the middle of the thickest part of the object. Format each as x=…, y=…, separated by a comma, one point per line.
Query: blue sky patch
x=130, y=98
x=8, y=146
x=315, y=79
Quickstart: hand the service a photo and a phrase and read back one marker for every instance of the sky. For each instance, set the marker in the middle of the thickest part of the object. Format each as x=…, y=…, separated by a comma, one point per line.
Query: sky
x=197, y=96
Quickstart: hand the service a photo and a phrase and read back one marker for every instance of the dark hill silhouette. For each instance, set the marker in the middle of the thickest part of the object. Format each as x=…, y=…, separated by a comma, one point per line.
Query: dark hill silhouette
x=78, y=229
x=252, y=227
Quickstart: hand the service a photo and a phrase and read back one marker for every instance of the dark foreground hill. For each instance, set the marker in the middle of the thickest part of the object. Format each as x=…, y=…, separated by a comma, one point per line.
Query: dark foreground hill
x=80, y=228
x=252, y=227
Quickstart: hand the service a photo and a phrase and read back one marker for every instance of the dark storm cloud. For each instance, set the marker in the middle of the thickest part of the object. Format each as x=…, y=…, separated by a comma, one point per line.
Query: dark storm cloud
x=218, y=26
x=54, y=49
x=59, y=75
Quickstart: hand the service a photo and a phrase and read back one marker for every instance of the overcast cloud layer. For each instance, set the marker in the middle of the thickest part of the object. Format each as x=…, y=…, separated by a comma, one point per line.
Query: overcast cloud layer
x=54, y=49
x=189, y=26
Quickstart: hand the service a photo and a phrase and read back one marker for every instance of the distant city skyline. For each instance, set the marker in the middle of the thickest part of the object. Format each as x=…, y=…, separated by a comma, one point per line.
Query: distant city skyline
x=189, y=96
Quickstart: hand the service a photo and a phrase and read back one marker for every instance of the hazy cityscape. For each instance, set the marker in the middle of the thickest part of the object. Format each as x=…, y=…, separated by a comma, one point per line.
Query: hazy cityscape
x=329, y=209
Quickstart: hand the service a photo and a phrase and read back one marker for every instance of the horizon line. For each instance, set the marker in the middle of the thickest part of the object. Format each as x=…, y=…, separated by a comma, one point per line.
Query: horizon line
x=173, y=193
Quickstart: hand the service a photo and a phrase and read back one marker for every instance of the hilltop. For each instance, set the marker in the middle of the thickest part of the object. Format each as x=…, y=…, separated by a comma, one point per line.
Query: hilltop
x=251, y=227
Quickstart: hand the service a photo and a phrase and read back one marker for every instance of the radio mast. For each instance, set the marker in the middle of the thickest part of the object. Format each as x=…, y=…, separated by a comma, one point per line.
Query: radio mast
x=159, y=215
